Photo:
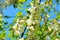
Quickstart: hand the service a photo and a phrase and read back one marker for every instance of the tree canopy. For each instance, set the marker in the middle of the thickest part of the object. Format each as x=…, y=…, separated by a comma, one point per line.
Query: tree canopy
x=35, y=25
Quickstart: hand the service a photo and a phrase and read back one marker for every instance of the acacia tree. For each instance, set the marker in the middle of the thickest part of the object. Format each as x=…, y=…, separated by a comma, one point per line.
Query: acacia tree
x=48, y=31
x=29, y=27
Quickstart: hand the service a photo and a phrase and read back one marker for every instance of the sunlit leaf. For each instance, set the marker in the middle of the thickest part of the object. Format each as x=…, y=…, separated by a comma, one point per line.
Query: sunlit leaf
x=19, y=14
x=58, y=16
x=21, y=0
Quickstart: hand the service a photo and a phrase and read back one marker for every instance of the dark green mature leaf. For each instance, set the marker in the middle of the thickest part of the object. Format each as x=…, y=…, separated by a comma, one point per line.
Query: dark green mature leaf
x=5, y=23
x=7, y=16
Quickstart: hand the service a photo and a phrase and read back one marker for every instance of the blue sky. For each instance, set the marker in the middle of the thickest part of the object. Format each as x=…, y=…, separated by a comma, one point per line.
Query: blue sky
x=11, y=11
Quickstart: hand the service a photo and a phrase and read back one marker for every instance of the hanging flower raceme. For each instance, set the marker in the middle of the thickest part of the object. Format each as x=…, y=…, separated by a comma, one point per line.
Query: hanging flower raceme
x=30, y=21
x=15, y=26
x=32, y=9
x=18, y=27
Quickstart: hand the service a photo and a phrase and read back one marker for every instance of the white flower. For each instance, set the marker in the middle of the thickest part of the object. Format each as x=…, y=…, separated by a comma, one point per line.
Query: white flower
x=30, y=17
x=30, y=9
x=22, y=21
x=49, y=28
x=20, y=25
x=15, y=26
x=30, y=27
x=56, y=39
x=17, y=32
x=32, y=4
x=21, y=39
x=0, y=14
x=20, y=28
x=29, y=22
x=48, y=15
x=33, y=23
x=17, y=20
x=56, y=27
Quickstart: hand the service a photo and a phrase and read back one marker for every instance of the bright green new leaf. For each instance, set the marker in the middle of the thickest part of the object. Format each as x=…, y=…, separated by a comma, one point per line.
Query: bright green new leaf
x=21, y=0
x=19, y=14
x=39, y=32
x=2, y=35
x=58, y=16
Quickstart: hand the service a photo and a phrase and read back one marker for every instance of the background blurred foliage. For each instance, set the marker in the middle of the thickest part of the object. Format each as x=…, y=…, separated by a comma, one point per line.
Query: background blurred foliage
x=49, y=30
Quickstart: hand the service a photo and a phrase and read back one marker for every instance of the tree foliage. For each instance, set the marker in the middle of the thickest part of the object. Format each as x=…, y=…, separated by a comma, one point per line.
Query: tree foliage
x=35, y=25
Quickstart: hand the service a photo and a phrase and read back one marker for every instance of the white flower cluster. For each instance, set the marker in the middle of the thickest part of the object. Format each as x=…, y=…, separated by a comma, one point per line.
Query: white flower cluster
x=22, y=21
x=21, y=39
x=32, y=9
x=30, y=27
x=30, y=21
x=15, y=26
x=48, y=15
x=18, y=27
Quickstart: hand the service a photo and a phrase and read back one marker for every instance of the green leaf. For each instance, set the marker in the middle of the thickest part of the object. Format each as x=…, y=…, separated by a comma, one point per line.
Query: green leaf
x=39, y=32
x=11, y=33
x=58, y=16
x=2, y=35
x=19, y=14
x=21, y=0
x=5, y=22
x=7, y=16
